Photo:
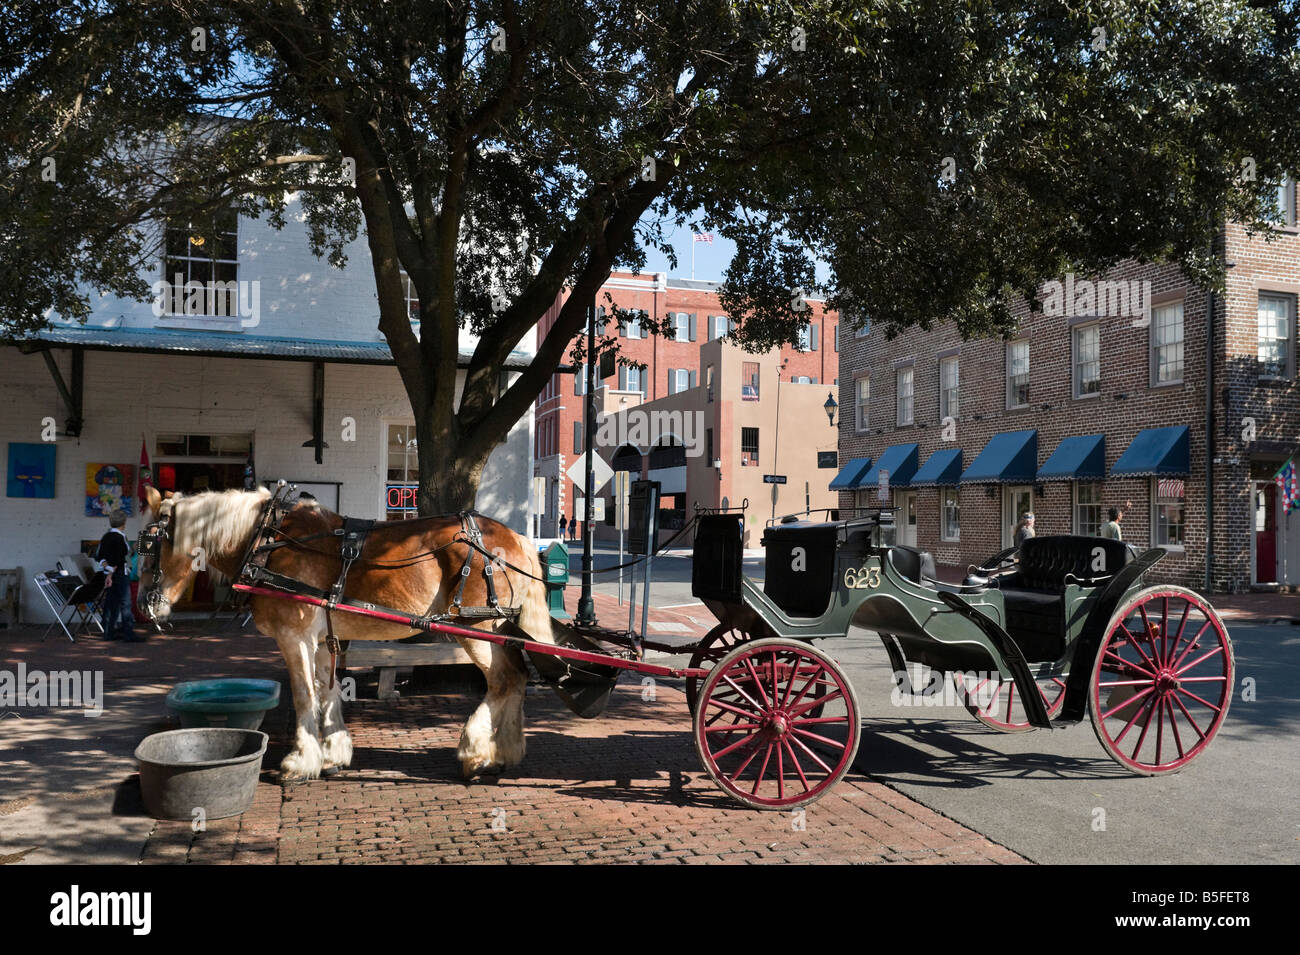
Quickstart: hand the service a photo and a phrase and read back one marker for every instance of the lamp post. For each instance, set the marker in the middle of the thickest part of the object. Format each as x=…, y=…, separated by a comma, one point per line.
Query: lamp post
x=831, y=407
x=586, y=614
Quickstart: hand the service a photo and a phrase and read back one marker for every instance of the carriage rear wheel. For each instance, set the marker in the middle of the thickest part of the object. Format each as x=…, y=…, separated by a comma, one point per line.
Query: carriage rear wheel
x=1162, y=680
x=999, y=705
x=777, y=724
x=713, y=646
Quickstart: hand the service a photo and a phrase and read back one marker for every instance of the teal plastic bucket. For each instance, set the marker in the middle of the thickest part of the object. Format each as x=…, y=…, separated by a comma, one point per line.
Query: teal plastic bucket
x=237, y=704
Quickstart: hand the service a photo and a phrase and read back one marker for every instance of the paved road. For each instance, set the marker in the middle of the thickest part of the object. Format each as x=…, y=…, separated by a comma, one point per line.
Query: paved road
x=1039, y=793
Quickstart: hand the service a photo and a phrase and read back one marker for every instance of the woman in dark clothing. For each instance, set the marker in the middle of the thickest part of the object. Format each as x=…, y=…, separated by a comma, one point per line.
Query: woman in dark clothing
x=114, y=555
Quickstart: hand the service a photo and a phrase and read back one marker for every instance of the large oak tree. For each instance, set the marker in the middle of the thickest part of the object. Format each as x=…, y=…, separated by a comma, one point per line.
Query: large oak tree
x=942, y=159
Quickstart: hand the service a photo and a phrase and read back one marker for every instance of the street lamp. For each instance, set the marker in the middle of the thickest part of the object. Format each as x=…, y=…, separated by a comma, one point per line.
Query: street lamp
x=830, y=406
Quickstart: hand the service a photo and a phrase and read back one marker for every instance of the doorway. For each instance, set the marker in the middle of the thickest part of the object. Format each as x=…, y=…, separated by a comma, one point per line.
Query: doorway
x=1265, y=527
x=1016, y=503
x=907, y=519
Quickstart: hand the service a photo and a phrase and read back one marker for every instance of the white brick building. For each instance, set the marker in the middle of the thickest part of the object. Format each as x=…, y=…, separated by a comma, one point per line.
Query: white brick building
x=202, y=392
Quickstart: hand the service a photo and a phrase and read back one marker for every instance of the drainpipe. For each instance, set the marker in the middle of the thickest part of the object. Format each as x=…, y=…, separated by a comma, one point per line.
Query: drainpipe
x=1210, y=304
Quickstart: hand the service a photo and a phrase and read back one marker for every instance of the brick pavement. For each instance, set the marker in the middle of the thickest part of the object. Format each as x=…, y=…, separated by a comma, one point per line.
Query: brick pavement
x=625, y=788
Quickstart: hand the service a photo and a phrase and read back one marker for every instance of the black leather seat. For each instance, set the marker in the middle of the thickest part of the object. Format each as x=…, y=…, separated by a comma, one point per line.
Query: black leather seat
x=799, y=569
x=916, y=565
x=1034, y=593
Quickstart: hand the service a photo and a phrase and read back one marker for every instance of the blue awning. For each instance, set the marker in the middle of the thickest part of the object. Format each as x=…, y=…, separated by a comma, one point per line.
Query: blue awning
x=899, y=460
x=942, y=468
x=1157, y=452
x=847, y=479
x=1081, y=458
x=1009, y=458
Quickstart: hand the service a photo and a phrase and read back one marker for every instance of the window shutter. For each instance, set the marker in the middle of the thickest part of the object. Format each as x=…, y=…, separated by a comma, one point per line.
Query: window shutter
x=693, y=378
x=601, y=320
x=622, y=378
x=577, y=381
x=816, y=334
x=672, y=380
x=622, y=329
x=691, y=322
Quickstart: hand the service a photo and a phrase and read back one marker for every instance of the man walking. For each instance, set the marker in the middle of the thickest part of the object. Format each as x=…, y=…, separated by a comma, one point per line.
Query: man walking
x=1111, y=528
x=114, y=556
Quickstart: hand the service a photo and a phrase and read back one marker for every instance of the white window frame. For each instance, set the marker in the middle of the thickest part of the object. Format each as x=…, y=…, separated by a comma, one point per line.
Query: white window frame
x=950, y=405
x=640, y=374
x=187, y=259
x=947, y=495
x=1155, y=517
x=681, y=326
x=1288, y=340
x=861, y=407
x=1010, y=378
x=864, y=330
x=1075, y=523
x=1157, y=312
x=907, y=372
x=681, y=380
x=803, y=341
x=1285, y=202
x=1076, y=361
x=634, y=328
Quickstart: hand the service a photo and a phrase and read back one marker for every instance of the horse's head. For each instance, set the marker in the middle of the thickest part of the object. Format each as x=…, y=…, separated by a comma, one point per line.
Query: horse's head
x=164, y=570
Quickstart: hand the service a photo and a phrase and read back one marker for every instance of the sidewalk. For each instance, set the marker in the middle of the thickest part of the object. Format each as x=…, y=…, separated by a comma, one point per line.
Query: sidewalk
x=626, y=787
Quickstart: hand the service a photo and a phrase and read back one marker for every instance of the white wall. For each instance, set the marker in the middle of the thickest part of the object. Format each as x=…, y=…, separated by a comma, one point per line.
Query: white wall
x=130, y=394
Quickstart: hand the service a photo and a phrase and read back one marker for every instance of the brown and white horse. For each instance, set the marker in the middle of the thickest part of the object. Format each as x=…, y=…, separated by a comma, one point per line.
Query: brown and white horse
x=395, y=570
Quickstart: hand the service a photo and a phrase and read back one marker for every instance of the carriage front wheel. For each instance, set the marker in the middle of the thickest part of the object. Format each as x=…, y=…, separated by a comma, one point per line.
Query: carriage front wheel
x=777, y=724
x=1162, y=680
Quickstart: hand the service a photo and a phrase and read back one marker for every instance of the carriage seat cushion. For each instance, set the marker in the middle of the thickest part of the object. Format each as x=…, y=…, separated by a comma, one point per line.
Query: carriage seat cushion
x=912, y=563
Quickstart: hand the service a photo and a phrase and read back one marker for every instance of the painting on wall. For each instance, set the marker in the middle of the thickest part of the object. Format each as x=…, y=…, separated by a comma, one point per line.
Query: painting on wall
x=31, y=470
x=109, y=486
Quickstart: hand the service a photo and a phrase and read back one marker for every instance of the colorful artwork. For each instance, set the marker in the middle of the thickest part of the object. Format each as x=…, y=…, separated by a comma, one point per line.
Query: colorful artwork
x=109, y=486
x=31, y=470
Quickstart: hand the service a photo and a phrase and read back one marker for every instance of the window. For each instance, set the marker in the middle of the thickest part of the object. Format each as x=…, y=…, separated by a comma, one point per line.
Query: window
x=207, y=253
x=412, y=298
x=683, y=327
x=1087, y=509
x=949, y=381
x=951, y=522
x=1167, y=343
x=1087, y=361
x=708, y=382
x=680, y=379
x=1286, y=202
x=1170, y=495
x=749, y=381
x=863, y=329
x=749, y=447
x=1275, y=318
x=808, y=339
x=1017, y=374
x=632, y=325
x=904, y=396
x=236, y=446
x=803, y=380
x=403, y=473
x=631, y=378
x=577, y=437
x=719, y=325
x=862, y=397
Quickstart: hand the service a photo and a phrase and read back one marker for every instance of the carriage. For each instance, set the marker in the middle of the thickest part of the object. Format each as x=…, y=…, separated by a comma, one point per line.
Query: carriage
x=1037, y=636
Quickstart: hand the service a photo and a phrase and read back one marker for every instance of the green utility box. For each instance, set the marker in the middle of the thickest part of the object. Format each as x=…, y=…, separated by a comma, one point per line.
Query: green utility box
x=555, y=567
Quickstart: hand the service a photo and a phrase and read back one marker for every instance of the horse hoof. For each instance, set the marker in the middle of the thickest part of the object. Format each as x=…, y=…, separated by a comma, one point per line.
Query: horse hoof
x=328, y=771
x=488, y=772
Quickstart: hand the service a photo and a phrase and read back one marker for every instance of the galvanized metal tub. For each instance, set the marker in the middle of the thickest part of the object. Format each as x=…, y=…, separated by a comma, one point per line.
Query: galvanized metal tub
x=213, y=769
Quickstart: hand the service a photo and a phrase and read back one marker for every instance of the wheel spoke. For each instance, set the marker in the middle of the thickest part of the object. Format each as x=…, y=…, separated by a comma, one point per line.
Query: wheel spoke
x=816, y=702
x=798, y=767
x=1192, y=645
x=1173, y=725
x=820, y=739
x=1160, y=728
x=1203, y=657
x=811, y=755
x=1137, y=645
x=758, y=707
x=727, y=750
x=758, y=683
x=1187, y=714
x=806, y=687
x=727, y=707
x=1119, y=706
x=762, y=770
x=1149, y=709
x=733, y=728
x=1129, y=664
x=1199, y=700
x=780, y=770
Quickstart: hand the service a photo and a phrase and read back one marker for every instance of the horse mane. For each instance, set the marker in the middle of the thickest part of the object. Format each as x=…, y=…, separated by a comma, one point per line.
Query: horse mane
x=218, y=521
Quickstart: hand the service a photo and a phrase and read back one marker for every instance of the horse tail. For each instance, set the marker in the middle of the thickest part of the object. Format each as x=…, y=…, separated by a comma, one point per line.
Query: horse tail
x=534, y=615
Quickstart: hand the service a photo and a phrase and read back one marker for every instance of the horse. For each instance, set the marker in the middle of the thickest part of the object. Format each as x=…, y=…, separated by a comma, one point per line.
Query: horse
x=413, y=566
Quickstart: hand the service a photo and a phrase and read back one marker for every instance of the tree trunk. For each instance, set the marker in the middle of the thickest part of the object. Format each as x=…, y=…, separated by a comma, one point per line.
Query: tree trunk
x=449, y=473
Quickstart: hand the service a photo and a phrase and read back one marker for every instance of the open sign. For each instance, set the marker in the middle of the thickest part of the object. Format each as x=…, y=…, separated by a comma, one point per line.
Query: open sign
x=401, y=497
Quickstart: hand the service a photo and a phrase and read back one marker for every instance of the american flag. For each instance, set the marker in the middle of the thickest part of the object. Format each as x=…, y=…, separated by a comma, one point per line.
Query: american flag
x=1286, y=480
x=704, y=237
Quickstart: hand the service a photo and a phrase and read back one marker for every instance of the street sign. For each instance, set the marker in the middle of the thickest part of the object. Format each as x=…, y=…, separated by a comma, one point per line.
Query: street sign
x=882, y=486
x=774, y=478
x=597, y=510
x=828, y=459
x=539, y=496
x=601, y=473
x=607, y=366
x=622, y=483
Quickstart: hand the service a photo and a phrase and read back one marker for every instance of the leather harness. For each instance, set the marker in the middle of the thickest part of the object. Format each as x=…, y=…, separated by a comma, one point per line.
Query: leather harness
x=353, y=534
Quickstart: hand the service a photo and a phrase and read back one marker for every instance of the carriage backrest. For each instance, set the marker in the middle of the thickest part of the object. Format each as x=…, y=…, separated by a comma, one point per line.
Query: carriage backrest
x=1045, y=561
x=799, y=570
x=718, y=561
x=914, y=564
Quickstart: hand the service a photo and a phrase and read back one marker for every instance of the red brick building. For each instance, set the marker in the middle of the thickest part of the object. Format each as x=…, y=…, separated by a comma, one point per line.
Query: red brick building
x=667, y=367
x=1115, y=393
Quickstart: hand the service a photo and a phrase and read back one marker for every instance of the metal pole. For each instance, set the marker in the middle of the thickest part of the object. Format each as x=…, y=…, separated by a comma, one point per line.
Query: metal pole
x=586, y=614
x=652, y=541
x=776, y=442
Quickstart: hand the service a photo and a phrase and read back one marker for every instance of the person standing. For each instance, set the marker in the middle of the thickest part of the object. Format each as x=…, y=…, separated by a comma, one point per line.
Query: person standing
x=1025, y=530
x=564, y=527
x=1111, y=529
x=114, y=554
x=573, y=528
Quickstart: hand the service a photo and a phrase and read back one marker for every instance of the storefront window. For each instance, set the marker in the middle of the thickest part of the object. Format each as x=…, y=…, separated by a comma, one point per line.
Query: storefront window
x=403, y=473
x=951, y=514
x=1087, y=509
x=1170, y=497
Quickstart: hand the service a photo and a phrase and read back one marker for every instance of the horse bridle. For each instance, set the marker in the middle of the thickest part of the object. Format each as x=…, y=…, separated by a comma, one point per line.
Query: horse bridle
x=149, y=548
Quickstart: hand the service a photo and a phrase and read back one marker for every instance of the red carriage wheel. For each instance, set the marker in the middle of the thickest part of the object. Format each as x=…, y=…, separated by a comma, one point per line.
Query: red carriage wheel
x=999, y=705
x=777, y=724
x=713, y=646
x=1162, y=680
